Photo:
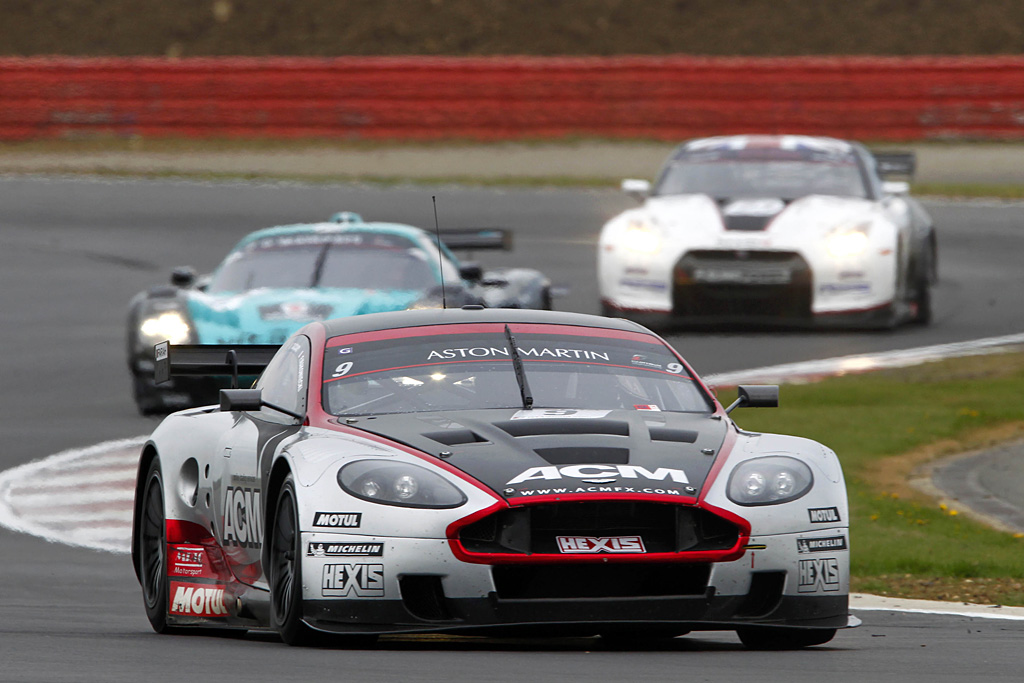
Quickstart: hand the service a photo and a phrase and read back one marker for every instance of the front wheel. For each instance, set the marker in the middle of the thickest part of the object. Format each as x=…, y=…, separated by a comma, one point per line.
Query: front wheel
x=767, y=638
x=153, y=549
x=286, y=571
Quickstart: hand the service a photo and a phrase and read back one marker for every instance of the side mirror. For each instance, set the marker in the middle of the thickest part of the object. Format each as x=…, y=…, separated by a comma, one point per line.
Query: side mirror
x=750, y=396
x=240, y=399
x=636, y=188
x=183, y=276
x=471, y=272
x=896, y=187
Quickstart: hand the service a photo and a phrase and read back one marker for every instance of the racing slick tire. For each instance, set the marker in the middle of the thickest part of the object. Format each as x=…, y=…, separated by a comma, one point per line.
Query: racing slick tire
x=922, y=301
x=153, y=550
x=767, y=638
x=286, y=571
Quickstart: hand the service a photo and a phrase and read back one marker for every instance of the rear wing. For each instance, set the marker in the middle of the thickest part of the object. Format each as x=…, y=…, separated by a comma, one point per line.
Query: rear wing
x=895, y=163
x=210, y=360
x=477, y=238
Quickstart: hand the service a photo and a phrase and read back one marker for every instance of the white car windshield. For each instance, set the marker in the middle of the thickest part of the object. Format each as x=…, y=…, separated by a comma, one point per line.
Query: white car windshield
x=456, y=368
x=754, y=173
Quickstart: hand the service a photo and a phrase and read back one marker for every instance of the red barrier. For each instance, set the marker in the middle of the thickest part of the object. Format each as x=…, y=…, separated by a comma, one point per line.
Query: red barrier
x=513, y=97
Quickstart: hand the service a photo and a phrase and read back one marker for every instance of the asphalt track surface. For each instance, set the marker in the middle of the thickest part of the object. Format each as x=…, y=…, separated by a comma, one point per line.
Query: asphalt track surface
x=72, y=252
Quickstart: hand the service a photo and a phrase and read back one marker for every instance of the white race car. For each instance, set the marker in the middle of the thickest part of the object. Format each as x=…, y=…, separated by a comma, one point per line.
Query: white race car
x=771, y=229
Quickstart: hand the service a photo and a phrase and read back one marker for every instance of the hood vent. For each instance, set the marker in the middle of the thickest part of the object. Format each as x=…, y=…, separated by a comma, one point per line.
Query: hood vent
x=571, y=455
x=456, y=437
x=674, y=435
x=560, y=426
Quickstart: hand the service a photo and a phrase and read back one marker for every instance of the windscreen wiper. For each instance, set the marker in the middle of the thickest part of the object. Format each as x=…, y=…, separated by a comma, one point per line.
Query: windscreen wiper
x=517, y=365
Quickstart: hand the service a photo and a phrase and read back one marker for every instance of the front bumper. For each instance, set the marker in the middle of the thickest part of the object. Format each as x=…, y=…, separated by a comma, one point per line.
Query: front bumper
x=417, y=585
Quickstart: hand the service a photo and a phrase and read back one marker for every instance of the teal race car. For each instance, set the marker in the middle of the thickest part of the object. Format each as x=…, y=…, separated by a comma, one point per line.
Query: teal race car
x=276, y=280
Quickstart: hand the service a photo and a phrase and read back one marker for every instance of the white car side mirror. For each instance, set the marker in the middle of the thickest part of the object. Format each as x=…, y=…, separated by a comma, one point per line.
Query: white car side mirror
x=636, y=188
x=896, y=187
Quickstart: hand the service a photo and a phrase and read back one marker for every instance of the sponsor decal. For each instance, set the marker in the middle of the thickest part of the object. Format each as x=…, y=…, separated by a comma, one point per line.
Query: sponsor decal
x=361, y=580
x=820, y=545
x=525, y=352
x=343, y=351
x=754, y=207
x=553, y=472
x=560, y=413
x=823, y=515
x=197, y=600
x=345, y=549
x=643, y=284
x=242, y=524
x=648, y=406
x=599, y=489
x=760, y=276
x=641, y=360
x=590, y=544
x=819, y=575
x=160, y=351
x=186, y=560
x=841, y=287
x=338, y=520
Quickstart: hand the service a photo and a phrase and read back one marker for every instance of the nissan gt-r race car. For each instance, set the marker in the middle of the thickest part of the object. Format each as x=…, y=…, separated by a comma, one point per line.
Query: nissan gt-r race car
x=485, y=471
x=274, y=281
x=760, y=229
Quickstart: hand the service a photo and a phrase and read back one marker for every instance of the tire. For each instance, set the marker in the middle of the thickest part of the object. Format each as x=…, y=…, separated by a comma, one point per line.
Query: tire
x=286, y=571
x=922, y=300
x=147, y=399
x=767, y=638
x=546, y=300
x=153, y=550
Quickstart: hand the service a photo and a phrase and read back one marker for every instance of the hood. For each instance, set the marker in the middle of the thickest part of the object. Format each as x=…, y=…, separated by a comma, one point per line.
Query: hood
x=524, y=453
x=269, y=316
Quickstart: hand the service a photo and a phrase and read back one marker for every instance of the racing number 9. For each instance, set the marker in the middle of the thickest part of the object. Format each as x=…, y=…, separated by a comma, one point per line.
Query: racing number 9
x=342, y=369
x=674, y=368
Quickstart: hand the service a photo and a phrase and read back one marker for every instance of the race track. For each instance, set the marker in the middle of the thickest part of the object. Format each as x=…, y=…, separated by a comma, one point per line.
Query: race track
x=72, y=252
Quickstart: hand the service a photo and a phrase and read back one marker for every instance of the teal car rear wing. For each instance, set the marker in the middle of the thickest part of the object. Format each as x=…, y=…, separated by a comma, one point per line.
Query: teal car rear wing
x=211, y=360
x=477, y=238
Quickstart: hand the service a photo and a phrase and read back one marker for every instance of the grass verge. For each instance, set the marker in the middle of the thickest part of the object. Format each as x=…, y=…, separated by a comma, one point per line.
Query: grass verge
x=883, y=426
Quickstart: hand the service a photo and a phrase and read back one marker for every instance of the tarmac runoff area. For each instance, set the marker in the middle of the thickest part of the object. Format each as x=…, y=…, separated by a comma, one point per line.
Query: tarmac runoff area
x=94, y=485
x=586, y=161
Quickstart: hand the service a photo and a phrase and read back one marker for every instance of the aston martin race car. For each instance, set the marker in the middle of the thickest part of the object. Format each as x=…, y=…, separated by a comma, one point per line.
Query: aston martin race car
x=485, y=471
x=760, y=229
x=274, y=281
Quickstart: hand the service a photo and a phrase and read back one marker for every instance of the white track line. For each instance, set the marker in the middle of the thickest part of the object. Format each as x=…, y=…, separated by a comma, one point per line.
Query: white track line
x=109, y=531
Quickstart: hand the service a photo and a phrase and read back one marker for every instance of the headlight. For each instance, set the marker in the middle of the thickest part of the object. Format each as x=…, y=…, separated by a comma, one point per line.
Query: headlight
x=642, y=238
x=770, y=480
x=170, y=326
x=398, y=483
x=847, y=241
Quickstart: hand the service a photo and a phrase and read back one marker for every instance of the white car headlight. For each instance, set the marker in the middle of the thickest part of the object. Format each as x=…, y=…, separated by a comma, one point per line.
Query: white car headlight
x=170, y=326
x=847, y=241
x=769, y=481
x=398, y=483
x=642, y=238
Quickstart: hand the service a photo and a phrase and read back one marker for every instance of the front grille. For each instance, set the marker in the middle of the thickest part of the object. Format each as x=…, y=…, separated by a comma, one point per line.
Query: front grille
x=736, y=283
x=662, y=527
x=551, y=582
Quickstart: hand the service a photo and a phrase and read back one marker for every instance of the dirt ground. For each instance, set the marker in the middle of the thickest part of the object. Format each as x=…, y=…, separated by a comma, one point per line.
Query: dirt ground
x=511, y=27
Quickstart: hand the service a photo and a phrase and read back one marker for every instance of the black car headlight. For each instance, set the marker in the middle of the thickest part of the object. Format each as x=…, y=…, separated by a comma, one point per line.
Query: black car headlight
x=770, y=480
x=398, y=483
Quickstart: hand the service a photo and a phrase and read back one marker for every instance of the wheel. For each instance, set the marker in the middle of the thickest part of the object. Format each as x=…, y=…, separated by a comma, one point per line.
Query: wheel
x=767, y=638
x=922, y=300
x=546, y=300
x=153, y=550
x=286, y=570
x=147, y=399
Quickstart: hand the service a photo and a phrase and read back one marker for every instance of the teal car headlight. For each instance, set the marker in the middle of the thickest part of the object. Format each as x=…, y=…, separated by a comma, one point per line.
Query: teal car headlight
x=398, y=483
x=169, y=325
x=770, y=480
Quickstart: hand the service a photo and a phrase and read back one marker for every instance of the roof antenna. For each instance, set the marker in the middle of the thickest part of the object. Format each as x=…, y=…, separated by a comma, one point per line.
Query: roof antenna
x=440, y=262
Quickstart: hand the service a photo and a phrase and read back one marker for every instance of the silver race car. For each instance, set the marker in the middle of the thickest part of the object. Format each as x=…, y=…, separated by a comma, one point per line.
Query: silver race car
x=484, y=471
x=773, y=230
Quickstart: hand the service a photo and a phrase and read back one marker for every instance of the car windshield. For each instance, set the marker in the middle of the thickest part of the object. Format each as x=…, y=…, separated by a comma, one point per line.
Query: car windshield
x=762, y=173
x=466, y=367
x=346, y=260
